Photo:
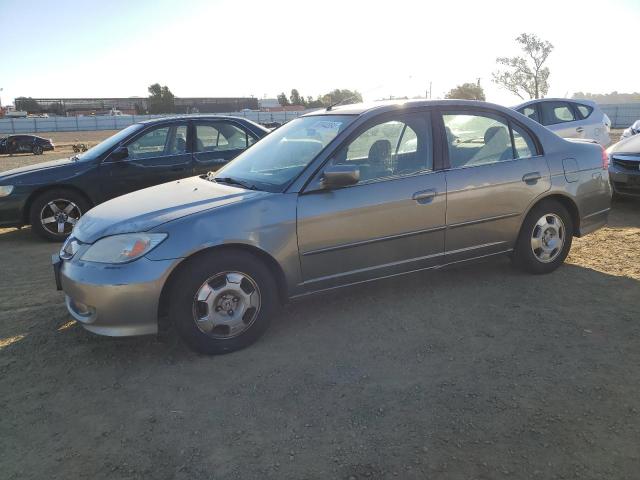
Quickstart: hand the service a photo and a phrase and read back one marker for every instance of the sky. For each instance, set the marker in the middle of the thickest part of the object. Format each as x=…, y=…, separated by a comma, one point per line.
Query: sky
x=220, y=48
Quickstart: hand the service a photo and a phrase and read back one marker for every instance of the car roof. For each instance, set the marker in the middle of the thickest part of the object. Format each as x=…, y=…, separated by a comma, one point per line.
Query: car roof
x=192, y=117
x=393, y=105
x=591, y=103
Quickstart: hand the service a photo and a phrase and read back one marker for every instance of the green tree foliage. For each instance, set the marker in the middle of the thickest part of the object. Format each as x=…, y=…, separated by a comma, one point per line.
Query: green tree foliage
x=283, y=100
x=161, y=100
x=344, y=97
x=467, y=91
x=295, y=98
x=526, y=76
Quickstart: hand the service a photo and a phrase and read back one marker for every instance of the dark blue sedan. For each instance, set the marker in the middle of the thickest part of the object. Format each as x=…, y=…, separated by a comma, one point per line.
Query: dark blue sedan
x=51, y=196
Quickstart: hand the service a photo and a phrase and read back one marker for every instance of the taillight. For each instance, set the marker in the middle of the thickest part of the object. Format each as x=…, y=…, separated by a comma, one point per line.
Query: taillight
x=605, y=158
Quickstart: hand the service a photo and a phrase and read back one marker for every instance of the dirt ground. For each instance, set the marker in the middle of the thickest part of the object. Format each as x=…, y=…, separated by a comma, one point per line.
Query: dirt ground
x=476, y=372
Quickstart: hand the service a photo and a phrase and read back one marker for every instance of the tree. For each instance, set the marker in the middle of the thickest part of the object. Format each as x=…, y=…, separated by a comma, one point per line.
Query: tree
x=283, y=100
x=311, y=103
x=344, y=97
x=161, y=100
x=295, y=98
x=467, y=91
x=526, y=75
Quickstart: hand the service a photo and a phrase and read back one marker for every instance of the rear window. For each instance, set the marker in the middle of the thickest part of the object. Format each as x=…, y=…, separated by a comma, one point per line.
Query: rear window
x=556, y=112
x=583, y=110
x=531, y=112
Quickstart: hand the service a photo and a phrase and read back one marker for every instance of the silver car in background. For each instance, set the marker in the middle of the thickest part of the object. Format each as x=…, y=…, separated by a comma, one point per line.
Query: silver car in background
x=569, y=118
x=634, y=129
x=333, y=198
x=624, y=168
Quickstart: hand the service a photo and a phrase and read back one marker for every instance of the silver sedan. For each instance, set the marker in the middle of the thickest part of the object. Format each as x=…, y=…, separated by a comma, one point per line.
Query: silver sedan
x=334, y=198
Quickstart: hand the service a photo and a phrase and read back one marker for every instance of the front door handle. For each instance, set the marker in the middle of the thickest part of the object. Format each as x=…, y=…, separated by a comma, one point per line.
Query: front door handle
x=531, y=178
x=579, y=129
x=424, y=196
x=177, y=169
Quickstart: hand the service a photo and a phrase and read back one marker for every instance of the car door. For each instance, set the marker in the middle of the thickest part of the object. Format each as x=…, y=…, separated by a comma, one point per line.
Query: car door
x=157, y=155
x=217, y=142
x=561, y=118
x=390, y=222
x=495, y=170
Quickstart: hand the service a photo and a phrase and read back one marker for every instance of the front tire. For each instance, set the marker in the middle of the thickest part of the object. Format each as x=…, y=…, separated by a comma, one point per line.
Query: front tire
x=545, y=238
x=223, y=301
x=36, y=150
x=54, y=213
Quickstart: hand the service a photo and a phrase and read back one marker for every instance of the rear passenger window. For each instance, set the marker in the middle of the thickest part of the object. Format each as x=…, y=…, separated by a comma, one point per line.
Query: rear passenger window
x=584, y=110
x=522, y=143
x=530, y=112
x=476, y=140
x=221, y=137
x=556, y=112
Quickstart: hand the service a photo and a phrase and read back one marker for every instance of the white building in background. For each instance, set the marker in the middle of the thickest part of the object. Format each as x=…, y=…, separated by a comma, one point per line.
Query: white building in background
x=265, y=103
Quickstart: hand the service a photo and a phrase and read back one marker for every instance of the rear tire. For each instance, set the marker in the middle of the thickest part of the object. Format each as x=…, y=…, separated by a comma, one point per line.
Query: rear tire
x=545, y=238
x=54, y=213
x=209, y=306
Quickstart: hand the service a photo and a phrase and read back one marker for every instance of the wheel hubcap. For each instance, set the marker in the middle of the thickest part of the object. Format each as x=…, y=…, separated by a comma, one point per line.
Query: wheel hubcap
x=226, y=304
x=59, y=216
x=547, y=237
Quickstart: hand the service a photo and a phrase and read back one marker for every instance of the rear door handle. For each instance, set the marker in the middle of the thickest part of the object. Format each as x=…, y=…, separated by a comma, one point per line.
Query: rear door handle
x=531, y=178
x=579, y=129
x=424, y=196
x=177, y=169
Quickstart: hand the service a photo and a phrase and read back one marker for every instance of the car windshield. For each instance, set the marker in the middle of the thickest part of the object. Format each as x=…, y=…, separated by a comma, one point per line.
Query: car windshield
x=279, y=157
x=105, y=145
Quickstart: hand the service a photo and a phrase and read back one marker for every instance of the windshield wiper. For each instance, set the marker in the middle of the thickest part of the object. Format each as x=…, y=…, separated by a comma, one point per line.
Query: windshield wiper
x=234, y=181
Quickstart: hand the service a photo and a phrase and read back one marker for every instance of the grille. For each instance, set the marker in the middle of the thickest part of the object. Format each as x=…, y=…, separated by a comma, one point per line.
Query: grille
x=627, y=164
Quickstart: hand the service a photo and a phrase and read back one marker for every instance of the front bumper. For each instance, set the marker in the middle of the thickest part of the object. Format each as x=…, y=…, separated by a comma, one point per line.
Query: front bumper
x=624, y=181
x=11, y=210
x=115, y=300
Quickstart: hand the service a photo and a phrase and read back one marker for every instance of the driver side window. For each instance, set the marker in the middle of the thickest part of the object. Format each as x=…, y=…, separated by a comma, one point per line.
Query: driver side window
x=392, y=148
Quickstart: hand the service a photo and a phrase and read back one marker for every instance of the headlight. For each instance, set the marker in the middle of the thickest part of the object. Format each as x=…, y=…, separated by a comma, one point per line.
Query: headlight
x=122, y=248
x=5, y=190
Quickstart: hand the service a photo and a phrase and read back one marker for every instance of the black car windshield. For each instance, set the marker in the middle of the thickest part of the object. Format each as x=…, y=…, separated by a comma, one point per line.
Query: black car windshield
x=105, y=145
x=279, y=157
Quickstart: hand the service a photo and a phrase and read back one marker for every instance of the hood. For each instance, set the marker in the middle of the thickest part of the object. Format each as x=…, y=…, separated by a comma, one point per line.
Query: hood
x=21, y=175
x=626, y=145
x=145, y=209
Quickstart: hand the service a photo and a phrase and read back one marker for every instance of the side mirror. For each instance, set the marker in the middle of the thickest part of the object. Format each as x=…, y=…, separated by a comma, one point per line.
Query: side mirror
x=119, y=153
x=336, y=176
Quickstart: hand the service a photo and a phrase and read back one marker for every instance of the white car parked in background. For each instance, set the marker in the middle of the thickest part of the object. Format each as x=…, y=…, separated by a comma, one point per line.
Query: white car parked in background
x=569, y=118
x=634, y=129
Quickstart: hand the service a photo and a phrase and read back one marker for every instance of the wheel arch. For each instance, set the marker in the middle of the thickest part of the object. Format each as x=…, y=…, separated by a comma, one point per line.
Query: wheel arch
x=36, y=193
x=566, y=202
x=265, y=257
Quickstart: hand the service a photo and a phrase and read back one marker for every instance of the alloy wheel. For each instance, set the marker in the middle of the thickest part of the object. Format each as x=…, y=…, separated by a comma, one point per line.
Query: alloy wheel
x=59, y=216
x=548, y=238
x=226, y=305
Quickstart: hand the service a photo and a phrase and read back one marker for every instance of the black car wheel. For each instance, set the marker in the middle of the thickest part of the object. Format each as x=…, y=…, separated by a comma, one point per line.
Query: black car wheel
x=54, y=213
x=36, y=150
x=223, y=301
